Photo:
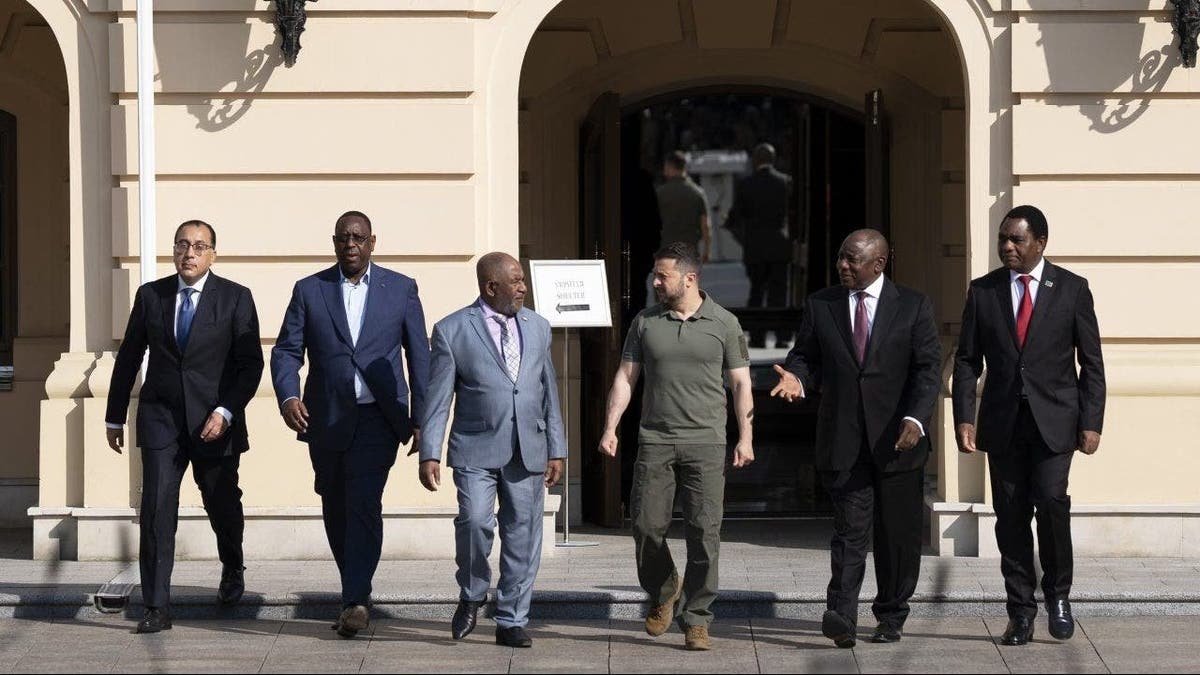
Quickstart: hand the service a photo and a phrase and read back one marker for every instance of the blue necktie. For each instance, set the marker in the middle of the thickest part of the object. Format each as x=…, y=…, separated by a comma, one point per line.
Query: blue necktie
x=183, y=325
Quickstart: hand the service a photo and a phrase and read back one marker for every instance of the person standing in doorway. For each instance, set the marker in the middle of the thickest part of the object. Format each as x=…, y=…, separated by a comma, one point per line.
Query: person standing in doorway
x=683, y=207
x=355, y=411
x=205, y=365
x=1028, y=323
x=685, y=344
x=493, y=359
x=871, y=348
x=758, y=221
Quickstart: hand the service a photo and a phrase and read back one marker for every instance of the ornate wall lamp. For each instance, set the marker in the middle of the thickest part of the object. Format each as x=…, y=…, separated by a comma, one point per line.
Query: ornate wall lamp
x=289, y=22
x=1187, y=25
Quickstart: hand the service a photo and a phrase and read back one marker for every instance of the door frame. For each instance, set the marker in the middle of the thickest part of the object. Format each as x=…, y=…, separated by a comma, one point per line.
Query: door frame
x=8, y=231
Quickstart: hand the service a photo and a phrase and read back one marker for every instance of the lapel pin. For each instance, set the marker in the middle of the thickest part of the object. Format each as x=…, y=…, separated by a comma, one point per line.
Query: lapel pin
x=1049, y=284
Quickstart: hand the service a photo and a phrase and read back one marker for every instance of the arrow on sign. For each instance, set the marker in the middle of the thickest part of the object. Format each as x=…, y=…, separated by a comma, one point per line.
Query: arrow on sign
x=571, y=308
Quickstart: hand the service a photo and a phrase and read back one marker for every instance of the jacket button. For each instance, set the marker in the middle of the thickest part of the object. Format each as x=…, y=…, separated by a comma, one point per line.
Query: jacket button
x=516, y=391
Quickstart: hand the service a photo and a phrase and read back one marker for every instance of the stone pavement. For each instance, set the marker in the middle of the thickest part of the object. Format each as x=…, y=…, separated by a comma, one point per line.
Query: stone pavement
x=769, y=569
x=930, y=645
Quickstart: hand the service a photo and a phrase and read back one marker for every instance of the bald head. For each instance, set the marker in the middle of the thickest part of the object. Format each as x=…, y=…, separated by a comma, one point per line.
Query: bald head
x=501, y=282
x=870, y=240
x=862, y=258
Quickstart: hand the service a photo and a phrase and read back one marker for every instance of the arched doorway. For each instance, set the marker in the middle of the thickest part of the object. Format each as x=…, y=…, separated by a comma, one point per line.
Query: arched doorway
x=584, y=56
x=35, y=242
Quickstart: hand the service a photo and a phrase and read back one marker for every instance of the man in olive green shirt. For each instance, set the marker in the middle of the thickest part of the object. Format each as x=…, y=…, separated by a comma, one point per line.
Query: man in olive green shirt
x=683, y=206
x=685, y=343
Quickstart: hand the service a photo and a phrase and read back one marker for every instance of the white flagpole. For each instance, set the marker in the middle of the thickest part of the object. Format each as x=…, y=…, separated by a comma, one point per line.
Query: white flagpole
x=148, y=202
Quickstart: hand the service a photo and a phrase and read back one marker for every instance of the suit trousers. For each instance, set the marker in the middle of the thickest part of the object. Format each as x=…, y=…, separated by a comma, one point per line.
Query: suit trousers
x=351, y=487
x=162, y=474
x=522, y=496
x=890, y=503
x=697, y=473
x=1026, y=479
x=768, y=288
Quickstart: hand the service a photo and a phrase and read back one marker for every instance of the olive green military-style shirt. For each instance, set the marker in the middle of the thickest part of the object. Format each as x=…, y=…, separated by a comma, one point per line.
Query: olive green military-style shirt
x=683, y=363
x=681, y=203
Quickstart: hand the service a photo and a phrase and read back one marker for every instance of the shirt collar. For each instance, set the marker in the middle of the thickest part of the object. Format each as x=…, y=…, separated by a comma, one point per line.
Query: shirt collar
x=1037, y=272
x=705, y=303
x=875, y=289
x=364, y=279
x=198, y=286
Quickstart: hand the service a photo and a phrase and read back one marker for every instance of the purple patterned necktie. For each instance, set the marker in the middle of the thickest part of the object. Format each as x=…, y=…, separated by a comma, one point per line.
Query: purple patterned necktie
x=862, y=328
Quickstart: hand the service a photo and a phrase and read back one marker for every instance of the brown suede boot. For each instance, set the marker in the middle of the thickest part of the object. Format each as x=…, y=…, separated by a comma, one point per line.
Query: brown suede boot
x=695, y=639
x=659, y=619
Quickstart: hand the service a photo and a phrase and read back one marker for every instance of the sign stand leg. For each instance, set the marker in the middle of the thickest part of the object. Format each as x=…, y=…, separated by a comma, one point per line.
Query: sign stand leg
x=566, y=478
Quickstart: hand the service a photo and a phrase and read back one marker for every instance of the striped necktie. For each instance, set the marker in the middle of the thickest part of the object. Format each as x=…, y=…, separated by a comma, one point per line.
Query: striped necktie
x=508, y=347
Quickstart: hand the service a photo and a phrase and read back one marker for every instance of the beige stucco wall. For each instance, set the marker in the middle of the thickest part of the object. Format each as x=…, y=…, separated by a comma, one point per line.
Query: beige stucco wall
x=409, y=110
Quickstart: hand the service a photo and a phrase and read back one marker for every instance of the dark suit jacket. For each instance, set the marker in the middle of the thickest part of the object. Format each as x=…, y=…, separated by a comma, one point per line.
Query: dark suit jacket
x=758, y=217
x=1062, y=329
x=316, y=321
x=867, y=403
x=220, y=368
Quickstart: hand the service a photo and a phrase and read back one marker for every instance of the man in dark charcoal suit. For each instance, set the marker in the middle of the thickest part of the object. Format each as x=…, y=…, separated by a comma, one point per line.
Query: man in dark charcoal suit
x=1028, y=322
x=353, y=319
x=205, y=365
x=871, y=348
x=758, y=220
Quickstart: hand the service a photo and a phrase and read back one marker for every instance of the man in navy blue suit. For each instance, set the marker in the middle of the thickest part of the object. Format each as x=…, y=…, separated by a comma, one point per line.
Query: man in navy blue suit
x=354, y=413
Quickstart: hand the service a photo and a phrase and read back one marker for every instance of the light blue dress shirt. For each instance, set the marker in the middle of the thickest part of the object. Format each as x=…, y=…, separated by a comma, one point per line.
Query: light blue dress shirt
x=354, y=299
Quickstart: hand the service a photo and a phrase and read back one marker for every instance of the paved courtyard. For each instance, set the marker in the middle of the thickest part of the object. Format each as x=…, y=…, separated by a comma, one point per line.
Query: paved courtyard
x=951, y=645
x=1135, y=615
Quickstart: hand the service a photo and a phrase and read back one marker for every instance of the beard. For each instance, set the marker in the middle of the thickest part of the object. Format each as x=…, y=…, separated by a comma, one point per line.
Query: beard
x=670, y=296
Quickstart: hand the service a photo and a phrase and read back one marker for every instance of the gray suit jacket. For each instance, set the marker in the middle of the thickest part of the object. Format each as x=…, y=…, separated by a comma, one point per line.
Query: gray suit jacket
x=491, y=412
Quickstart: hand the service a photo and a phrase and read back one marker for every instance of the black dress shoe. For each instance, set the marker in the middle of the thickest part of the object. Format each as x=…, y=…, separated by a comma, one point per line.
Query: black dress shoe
x=464, y=619
x=884, y=633
x=513, y=637
x=835, y=627
x=1018, y=632
x=1062, y=624
x=233, y=585
x=155, y=620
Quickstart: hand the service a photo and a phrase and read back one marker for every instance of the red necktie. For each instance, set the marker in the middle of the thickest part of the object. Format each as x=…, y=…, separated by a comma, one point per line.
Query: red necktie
x=1025, y=311
x=862, y=328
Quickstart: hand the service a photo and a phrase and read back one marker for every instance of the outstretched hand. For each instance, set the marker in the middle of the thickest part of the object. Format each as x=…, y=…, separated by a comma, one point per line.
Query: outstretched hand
x=789, y=387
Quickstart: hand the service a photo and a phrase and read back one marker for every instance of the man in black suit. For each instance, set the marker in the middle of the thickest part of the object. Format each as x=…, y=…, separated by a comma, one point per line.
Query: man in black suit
x=205, y=364
x=871, y=348
x=758, y=220
x=1029, y=321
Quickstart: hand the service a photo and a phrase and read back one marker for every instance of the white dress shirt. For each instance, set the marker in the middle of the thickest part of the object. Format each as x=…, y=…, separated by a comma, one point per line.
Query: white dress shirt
x=198, y=289
x=1018, y=288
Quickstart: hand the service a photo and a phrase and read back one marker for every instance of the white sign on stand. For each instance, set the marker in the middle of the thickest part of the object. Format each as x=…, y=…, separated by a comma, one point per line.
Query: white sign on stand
x=570, y=294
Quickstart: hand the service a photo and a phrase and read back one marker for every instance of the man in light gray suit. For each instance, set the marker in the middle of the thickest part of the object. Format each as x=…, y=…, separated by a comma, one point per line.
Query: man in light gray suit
x=493, y=357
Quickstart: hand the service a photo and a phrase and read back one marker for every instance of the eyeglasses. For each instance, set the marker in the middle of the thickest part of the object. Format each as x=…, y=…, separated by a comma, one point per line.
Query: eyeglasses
x=199, y=247
x=343, y=239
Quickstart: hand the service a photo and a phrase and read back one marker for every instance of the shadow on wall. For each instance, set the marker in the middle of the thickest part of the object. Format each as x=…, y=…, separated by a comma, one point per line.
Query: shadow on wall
x=217, y=57
x=1121, y=68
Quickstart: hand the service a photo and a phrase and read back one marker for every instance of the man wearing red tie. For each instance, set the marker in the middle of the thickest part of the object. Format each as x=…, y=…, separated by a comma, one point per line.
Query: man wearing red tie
x=1029, y=322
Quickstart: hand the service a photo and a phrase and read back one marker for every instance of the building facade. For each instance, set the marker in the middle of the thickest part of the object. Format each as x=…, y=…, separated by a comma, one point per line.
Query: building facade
x=465, y=126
